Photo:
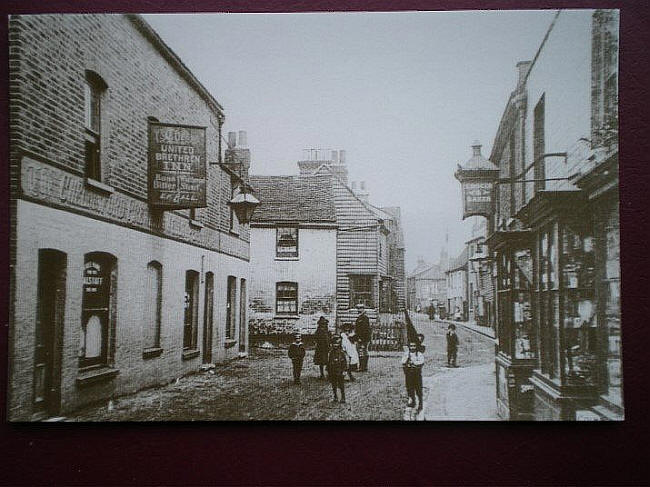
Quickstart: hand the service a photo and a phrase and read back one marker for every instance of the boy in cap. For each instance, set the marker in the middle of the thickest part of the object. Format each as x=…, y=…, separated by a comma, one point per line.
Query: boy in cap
x=337, y=364
x=412, y=362
x=452, y=345
x=363, y=335
x=297, y=355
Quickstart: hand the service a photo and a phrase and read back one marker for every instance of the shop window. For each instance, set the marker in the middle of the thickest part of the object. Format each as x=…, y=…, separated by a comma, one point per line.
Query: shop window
x=286, y=242
x=611, y=291
x=524, y=333
x=191, y=310
x=98, y=309
x=580, y=335
x=538, y=145
x=94, y=88
x=231, y=299
x=548, y=299
x=361, y=291
x=153, y=306
x=286, y=298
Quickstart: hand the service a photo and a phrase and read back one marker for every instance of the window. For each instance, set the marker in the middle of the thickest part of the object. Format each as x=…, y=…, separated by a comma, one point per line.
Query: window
x=98, y=309
x=538, y=145
x=93, y=89
x=361, y=291
x=231, y=299
x=153, y=306
x=286, y=244
x=191, y=309
x=286, y=298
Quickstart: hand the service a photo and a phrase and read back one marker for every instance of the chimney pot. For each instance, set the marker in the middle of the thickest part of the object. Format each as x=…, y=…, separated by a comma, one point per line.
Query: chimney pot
x=476, y=148
x=242, y=139
x=522, y=71
x=232, y=140
x=335, y=156
x=362, y=185
x=354, y=185
x=342, y=156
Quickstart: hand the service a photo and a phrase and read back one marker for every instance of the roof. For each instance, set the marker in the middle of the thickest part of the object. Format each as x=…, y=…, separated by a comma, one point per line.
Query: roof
x=460, y=261
x=294, y=198
x=432, y=272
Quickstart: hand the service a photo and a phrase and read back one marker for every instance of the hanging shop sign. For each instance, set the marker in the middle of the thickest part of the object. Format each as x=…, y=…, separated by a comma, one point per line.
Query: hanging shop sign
x=177, y=166
x=477, y=198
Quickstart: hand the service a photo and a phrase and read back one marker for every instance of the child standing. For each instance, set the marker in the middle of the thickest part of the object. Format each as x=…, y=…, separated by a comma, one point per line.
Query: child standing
x=337, y=364
x=297, y=355
x=412, y=362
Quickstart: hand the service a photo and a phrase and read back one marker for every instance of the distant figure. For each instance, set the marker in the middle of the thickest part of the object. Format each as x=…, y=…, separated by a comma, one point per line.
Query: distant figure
x=348, y=347
x=337, y=364
x=421, y=347
x=452, y=346
x=412, y=363
x=363, y=335
x=322, y=337
x=297, y=355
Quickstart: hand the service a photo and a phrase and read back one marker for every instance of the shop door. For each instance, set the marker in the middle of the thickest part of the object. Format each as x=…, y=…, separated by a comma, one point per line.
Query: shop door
x=95, y=310
x=49, y=332
x=208, y=318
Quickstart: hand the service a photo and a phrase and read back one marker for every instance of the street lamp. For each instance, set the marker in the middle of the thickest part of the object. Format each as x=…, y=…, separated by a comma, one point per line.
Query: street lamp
x=244, y=202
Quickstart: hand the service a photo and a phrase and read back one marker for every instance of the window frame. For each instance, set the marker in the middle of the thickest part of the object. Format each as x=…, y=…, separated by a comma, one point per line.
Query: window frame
x=94, y=90
x=231, y=302
x=292, y=300
x=369, y=291
x=295, y=254
x=153, y=318
x=191, y=310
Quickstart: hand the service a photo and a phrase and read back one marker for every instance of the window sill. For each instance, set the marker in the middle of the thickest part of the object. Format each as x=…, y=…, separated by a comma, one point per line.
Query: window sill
x=287, y=258
x=99, y=186
x=286, y=316
x=234, y=232
x=151, y=352
x=229, y=343
x=190, y=354
x=196, y=224
x=92, y=375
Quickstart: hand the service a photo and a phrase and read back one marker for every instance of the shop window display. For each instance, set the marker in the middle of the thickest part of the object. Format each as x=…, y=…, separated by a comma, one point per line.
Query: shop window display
x=548, y=298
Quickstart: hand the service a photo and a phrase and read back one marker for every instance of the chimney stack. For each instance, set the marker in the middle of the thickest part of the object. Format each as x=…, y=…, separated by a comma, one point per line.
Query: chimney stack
x=335, y=156
x=522, y=70
x=237, y=158
x=354, y=185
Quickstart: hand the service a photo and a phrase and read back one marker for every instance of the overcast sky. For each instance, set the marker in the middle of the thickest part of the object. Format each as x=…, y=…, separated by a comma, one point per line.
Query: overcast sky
x=405, y=94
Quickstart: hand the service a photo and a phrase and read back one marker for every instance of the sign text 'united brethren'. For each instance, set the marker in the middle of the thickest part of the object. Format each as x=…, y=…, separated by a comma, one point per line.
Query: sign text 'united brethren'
x=177, y=166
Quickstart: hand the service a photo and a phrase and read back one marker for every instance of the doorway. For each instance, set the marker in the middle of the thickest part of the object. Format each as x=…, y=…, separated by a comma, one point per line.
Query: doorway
x=49, y=331
x=208, y=318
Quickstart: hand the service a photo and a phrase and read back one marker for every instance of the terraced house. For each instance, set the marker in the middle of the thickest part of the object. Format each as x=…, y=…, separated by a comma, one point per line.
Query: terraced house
x=128, y=267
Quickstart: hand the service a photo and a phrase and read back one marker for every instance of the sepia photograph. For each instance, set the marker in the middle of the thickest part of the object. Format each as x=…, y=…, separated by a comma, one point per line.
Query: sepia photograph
x=326, y=216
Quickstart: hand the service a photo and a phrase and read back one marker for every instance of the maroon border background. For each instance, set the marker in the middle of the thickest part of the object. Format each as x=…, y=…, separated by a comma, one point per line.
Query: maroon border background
x=364, y=453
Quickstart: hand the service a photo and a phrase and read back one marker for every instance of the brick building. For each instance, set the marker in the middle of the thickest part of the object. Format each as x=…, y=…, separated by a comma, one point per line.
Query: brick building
x=555, y=231
x=109, y=295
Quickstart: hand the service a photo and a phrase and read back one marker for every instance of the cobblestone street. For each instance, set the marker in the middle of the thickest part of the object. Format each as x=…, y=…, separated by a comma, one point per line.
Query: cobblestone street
x=260, y=388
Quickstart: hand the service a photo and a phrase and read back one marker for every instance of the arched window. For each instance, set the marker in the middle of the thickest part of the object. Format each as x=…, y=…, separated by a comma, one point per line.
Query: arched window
x=153, y=306
x=98, y=309
x=94, y=89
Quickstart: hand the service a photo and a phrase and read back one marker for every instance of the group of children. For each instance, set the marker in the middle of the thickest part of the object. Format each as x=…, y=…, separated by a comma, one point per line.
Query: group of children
x=338, y=361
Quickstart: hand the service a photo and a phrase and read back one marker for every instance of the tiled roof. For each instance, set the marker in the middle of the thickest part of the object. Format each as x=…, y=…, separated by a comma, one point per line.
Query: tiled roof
x=294, y=198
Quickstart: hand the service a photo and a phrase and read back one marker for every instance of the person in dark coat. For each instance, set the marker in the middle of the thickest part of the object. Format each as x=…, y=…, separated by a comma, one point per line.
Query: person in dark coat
x=297, y=355
x=452, y=345
x=322, y=337
x=421, y=346
x=337, y=364
x=363, y=337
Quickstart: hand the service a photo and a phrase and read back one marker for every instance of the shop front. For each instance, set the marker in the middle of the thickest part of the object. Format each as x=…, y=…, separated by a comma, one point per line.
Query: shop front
x=516, y=345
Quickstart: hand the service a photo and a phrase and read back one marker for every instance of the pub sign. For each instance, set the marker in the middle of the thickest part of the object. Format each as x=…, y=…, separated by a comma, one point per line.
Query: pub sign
x=177, y=166
x=477, y=198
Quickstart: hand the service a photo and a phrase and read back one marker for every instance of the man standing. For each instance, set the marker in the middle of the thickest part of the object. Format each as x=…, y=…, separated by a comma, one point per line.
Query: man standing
x=363, y=336
x=337, y=364
x=452, y=345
